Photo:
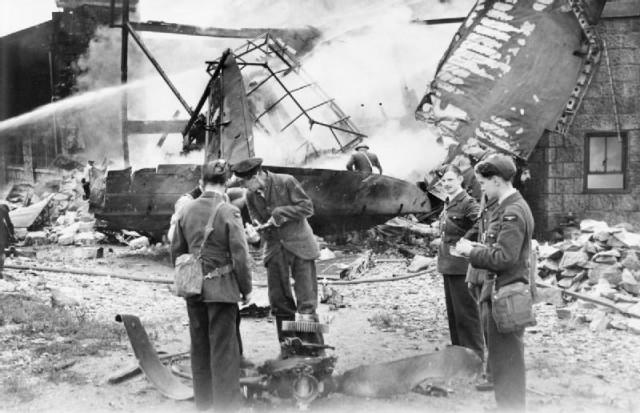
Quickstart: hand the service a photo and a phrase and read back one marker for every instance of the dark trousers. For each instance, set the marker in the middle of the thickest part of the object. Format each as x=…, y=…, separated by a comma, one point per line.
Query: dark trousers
x=463, y=314
x=506, y=358
x=475, y=292
x=215, y=358
x=240, y=347
x=279, y=269
x=281, y=296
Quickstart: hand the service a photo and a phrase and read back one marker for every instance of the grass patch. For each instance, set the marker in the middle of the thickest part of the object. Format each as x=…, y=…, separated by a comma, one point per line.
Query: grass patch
x=387, y=321
x=52, y=337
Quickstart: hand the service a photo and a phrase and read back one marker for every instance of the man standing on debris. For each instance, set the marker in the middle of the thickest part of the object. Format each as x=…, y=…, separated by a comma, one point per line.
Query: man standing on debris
x=280, y=206
x=363, y=160
x=215, y=357
x=6, y=233
x=456, y=221
x=505, y=254
x=87, y=175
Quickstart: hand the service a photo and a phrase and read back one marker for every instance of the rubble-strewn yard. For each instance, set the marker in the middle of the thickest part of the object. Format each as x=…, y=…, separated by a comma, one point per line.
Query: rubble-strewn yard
x=60, y=343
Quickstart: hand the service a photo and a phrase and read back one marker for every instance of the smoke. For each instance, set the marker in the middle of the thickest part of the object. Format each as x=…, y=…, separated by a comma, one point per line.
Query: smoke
x=371, y=59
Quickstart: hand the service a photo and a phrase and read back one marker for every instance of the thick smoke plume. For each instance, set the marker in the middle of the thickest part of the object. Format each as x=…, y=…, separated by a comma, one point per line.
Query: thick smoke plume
x=370, y=58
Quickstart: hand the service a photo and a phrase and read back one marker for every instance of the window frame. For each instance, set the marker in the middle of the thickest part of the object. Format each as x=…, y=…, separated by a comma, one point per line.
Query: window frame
x=587, y=156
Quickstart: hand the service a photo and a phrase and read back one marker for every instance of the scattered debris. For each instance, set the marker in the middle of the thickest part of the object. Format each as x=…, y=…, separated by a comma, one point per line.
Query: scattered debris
x=358, y=267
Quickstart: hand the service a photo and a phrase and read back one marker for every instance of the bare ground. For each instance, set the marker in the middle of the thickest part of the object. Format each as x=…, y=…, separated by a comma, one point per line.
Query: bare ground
x=569, y=367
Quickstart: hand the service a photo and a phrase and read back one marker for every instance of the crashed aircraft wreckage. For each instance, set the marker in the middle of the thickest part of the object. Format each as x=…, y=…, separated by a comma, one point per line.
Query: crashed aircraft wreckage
x=514, y=70
x=283, y=106
x=306, y=374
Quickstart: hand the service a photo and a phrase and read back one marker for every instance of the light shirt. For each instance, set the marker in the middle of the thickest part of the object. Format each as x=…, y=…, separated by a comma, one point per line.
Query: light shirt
x=506, y=195
x=450, y=197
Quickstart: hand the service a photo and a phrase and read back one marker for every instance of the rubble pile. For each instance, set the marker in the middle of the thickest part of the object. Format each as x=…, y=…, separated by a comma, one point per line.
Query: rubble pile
x=600, y=263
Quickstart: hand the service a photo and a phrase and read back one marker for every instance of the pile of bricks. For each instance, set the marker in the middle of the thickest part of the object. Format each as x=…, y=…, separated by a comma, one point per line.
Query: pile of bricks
x=599, y=262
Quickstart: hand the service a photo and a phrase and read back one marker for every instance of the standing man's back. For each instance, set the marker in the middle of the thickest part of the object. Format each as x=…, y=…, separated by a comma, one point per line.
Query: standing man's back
x=363, y=160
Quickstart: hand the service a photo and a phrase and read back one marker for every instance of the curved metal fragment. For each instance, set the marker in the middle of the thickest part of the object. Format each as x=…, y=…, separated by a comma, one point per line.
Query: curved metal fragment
x=400, y=376
x=166, y=383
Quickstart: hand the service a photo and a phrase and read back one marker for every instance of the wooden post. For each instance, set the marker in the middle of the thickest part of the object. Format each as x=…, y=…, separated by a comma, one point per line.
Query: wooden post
x=123, y=80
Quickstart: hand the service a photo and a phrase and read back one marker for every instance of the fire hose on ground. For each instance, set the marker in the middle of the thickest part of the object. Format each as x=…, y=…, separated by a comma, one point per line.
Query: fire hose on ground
x=396, y=277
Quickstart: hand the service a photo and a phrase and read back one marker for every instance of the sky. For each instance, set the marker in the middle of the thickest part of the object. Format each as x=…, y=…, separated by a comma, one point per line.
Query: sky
x=19, y=14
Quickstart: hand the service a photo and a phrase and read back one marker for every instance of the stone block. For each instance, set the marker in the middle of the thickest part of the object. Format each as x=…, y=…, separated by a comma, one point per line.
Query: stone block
x=575, y=202
x=600, y=321
x=600, y=202
x=629, y=283
x=563, y=313
x=633, y=326
x=631, y=261
x=139, y=243
x=86, y=226
x=627, y=202
x=606, y=272
x=66, y=239
x=554, y=203
x=588, y=121
x=88, y=253
x=84, y=238
x=634, y=309
x=36, y=238
x=574, y=259
x=619, y=324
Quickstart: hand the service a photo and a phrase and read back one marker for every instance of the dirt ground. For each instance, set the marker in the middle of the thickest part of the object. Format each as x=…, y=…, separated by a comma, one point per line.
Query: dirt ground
x=570, y=368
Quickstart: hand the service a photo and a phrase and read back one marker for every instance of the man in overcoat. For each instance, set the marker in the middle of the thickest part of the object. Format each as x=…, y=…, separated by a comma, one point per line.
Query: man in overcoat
x=280, y=206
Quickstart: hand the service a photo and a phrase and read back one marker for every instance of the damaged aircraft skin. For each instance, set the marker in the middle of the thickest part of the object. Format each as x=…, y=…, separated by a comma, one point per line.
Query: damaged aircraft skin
x=343, y=200
x=514, y=69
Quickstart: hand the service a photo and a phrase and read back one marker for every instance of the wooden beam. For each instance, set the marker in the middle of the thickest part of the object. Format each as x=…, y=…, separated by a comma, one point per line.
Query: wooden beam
x=155, y=126
x=621, y=8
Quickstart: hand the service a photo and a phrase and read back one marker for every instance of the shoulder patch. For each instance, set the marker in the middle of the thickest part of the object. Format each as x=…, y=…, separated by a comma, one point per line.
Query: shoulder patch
x=510, y=218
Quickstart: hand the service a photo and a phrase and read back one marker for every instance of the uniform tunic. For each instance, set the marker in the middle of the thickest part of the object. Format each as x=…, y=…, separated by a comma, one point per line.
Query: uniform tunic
x=457, y=221
x=358, y=162
x=215, y=356
x=506, y=257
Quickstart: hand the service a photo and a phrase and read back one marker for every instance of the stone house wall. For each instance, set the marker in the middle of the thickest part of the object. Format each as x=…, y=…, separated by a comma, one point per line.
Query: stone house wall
x=557, y=188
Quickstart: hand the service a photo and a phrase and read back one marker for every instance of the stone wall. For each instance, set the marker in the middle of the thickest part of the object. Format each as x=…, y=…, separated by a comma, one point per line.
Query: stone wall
x=558, y=163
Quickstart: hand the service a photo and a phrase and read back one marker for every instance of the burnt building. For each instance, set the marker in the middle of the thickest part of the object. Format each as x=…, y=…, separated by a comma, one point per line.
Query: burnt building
x=38, y=65
x=594, y=170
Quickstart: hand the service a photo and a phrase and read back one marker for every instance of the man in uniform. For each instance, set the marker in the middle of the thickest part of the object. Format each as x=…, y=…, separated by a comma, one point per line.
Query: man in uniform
x=363, y=160
x=280, y=206
x=456, y=221
x=215, y=357
x=6, y=233
x=476, y=278
x=505, y=254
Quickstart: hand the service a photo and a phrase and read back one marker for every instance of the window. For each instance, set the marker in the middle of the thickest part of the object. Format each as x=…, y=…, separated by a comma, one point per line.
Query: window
x=606, y=162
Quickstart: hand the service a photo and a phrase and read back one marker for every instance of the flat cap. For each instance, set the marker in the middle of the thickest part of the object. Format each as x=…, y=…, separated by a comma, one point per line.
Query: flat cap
x=246, y=167
x=216, y=167
x=504, y=164
x=362, y=145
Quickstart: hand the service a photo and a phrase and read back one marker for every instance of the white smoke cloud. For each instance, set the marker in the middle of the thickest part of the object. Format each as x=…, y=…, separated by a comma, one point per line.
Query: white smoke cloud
x=371, y=59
